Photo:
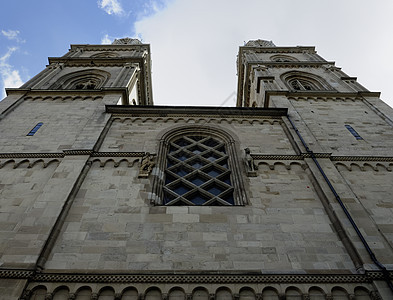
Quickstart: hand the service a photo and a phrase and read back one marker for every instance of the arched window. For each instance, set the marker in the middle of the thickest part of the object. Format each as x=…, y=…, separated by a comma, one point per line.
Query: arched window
x=82, y=80
x=197, y=166
x=105, y=55
x=282, y=58
x=300, y=81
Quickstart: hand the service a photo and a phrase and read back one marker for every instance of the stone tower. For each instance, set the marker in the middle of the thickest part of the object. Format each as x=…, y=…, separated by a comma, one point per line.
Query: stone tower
x=106, y=196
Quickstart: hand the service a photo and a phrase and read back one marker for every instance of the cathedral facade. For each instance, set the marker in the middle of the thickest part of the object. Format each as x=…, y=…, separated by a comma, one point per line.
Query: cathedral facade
x=104, y=195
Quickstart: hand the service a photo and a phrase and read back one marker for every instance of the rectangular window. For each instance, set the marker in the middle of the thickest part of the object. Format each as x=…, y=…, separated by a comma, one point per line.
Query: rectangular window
x=34, y=130
x=353, y=131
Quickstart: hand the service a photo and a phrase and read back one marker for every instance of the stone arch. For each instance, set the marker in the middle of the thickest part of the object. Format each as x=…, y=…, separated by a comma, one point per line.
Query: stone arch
x=339, y=293
x=153, y=293
x=129, y=293
x=302, y=81
x=361, y=293
x=200, y=293
x=247, y=293
x=106, y=293
x=283, y=58
x=270, y=293
x=316, y=293
x=293, y=293
x=83, y=293
x=61, y=293
x=86, y=79
x=106, y=54
x=176, y=293
x=38, y=293
x=223, y=293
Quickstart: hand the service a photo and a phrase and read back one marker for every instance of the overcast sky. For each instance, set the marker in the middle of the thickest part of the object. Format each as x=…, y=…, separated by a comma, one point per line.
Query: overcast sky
x=194, y=43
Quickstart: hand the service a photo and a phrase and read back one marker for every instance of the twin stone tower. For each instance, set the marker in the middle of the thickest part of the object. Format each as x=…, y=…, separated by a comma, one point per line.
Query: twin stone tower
x=104, y=195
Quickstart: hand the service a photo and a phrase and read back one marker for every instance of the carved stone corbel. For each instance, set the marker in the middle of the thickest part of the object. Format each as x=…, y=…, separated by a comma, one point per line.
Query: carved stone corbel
x=147, y=164
x=117, y=296
x=251, y=168
x=71, y=296
x=374, y=295
x=48, y=296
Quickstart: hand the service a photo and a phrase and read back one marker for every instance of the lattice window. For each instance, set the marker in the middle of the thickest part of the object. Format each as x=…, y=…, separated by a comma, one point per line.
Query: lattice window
x=198, y=165
x=197, y=172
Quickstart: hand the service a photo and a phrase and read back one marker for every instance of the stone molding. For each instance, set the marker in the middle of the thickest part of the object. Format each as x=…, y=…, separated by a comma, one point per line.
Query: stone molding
x=292, y=64
x=247, y=49
x=221, y=112
x=70, y=152
x=362, y=158
x=193, y=278
x=198, y=119
x=255, y=156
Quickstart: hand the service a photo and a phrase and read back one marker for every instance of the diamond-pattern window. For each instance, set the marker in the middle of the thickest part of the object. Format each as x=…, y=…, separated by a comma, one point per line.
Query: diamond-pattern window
x=197, y=172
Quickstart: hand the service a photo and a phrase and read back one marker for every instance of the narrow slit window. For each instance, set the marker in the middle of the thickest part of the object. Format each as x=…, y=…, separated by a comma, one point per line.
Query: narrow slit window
x=34, y=130
x=353, y=131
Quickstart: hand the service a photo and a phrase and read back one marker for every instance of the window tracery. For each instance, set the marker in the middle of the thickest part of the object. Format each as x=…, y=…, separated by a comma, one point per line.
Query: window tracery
x=301, y=81
x=197, y=166
x=86, y=80
x=197, y=172
x=283, y=58
x=105, y=55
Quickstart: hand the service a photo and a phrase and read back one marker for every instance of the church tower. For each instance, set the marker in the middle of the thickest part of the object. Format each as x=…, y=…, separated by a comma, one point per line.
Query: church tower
x=107, y=196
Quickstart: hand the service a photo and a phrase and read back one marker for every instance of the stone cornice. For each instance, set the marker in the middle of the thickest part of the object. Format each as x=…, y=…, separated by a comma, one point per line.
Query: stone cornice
x=291, y=64
x=118, y=154
x=302, y=156
x=96, y=61
x=154, y=277
x=362, y=158
x=87, y=47
x=258, y=156
x=44, y=93
x=329, y=94
x=70, y=152
x=297, y=49
x=167, y=111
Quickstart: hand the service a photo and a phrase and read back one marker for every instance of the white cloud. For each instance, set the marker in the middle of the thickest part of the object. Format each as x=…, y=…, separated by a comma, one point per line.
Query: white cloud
x=9, y=76
x=111, y=7
x=105, y=40
x=194, y=43
x=12, y=35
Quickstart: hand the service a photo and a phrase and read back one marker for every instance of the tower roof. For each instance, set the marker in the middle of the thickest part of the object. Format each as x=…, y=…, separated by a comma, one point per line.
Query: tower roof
x=260, y=43
x=126, y=41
